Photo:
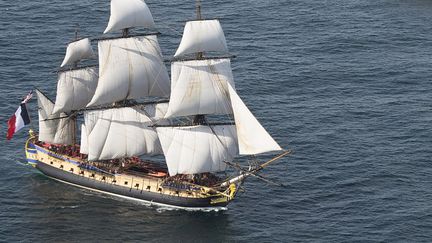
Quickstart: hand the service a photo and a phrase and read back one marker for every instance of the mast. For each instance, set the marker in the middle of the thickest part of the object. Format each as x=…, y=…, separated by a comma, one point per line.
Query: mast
x=76, y=84
x=130, y=66
x=199, y=88
x=75, y=64
x=198, y=17
x=198, y=9
x=199, y=119
x=125, y=32
x=74, y=120
x=204, y=86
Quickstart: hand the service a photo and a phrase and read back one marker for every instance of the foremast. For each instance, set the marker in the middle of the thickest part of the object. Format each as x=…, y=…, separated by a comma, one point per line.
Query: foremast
x=202, y=84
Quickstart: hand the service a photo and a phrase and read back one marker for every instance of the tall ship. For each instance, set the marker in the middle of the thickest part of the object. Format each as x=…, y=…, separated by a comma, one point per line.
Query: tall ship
x=128, y=128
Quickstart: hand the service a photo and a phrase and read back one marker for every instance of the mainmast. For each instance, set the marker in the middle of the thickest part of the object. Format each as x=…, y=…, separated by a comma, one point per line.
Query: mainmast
x=131, y=67
x=75, y=64
x=198, y=9
x=199, y=119
x=198, y=17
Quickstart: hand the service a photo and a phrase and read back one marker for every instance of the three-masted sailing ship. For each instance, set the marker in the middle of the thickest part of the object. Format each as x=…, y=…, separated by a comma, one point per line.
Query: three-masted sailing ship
x=129, y=109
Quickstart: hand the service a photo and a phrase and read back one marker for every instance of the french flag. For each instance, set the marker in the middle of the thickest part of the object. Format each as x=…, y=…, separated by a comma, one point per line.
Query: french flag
x=19, y=119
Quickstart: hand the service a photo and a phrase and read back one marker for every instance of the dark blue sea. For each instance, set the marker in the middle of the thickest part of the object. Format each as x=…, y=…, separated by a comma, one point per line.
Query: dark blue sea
x=346, y=84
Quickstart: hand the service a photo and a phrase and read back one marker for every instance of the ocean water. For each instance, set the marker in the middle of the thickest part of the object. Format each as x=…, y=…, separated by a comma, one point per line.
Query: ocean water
x=346, y=84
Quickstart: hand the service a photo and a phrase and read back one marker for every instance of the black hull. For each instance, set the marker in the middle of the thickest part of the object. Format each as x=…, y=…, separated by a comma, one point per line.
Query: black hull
x=151, y=197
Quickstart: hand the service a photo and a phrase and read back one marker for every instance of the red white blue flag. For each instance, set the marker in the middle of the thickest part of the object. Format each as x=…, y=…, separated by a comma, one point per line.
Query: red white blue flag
x=20, y=119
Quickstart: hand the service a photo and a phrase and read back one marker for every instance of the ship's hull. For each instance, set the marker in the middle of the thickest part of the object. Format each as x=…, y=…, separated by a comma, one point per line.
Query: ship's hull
x=147, y=189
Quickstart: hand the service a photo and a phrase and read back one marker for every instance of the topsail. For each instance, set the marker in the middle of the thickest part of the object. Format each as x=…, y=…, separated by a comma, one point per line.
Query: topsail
x=200, y=87
x=75, y=88
x=130, y=68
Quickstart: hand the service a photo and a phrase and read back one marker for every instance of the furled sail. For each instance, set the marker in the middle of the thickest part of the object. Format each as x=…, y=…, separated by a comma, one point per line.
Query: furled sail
x=198, y=149
x=83, y=143
x=58, y=131
x=200, y=87
x=252, y=137
x=120, y=133
x=76, y=51
x=130, y=68
x=202, y=36
x=75, y=89
x=129, y=13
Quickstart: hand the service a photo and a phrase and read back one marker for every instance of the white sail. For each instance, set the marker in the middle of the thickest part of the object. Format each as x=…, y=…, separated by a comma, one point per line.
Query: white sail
x=75, y=89
x=76, y=51
x=202, y=36
x=83, y=143
x=129, y=13
x=65, y=132
x=53, y=130
x=252, y=137
x=196, y=149
x=200, y=87
x=119, y=133
x=130, y=68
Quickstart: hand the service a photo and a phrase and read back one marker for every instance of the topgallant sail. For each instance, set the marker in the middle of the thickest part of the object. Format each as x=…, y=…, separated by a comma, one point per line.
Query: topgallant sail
x=128, y=108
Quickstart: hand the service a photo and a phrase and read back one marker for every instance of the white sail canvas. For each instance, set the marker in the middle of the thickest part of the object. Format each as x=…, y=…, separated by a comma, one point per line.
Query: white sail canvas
x=202, y=36
x=200, y=87
x=130, y=68
x=83, y=143
x=75, y=89
x=128, y=14
x=252, y=137
x=76, y=51
x=52, y=129
x=120, y=133
x=198, y=149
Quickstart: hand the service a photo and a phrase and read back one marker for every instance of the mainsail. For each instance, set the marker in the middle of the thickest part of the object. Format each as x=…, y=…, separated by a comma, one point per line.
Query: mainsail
x=53, y=128
x=120, y=133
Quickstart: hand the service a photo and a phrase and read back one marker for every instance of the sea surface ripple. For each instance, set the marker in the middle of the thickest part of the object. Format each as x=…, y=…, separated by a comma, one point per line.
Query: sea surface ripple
x=346, y=84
